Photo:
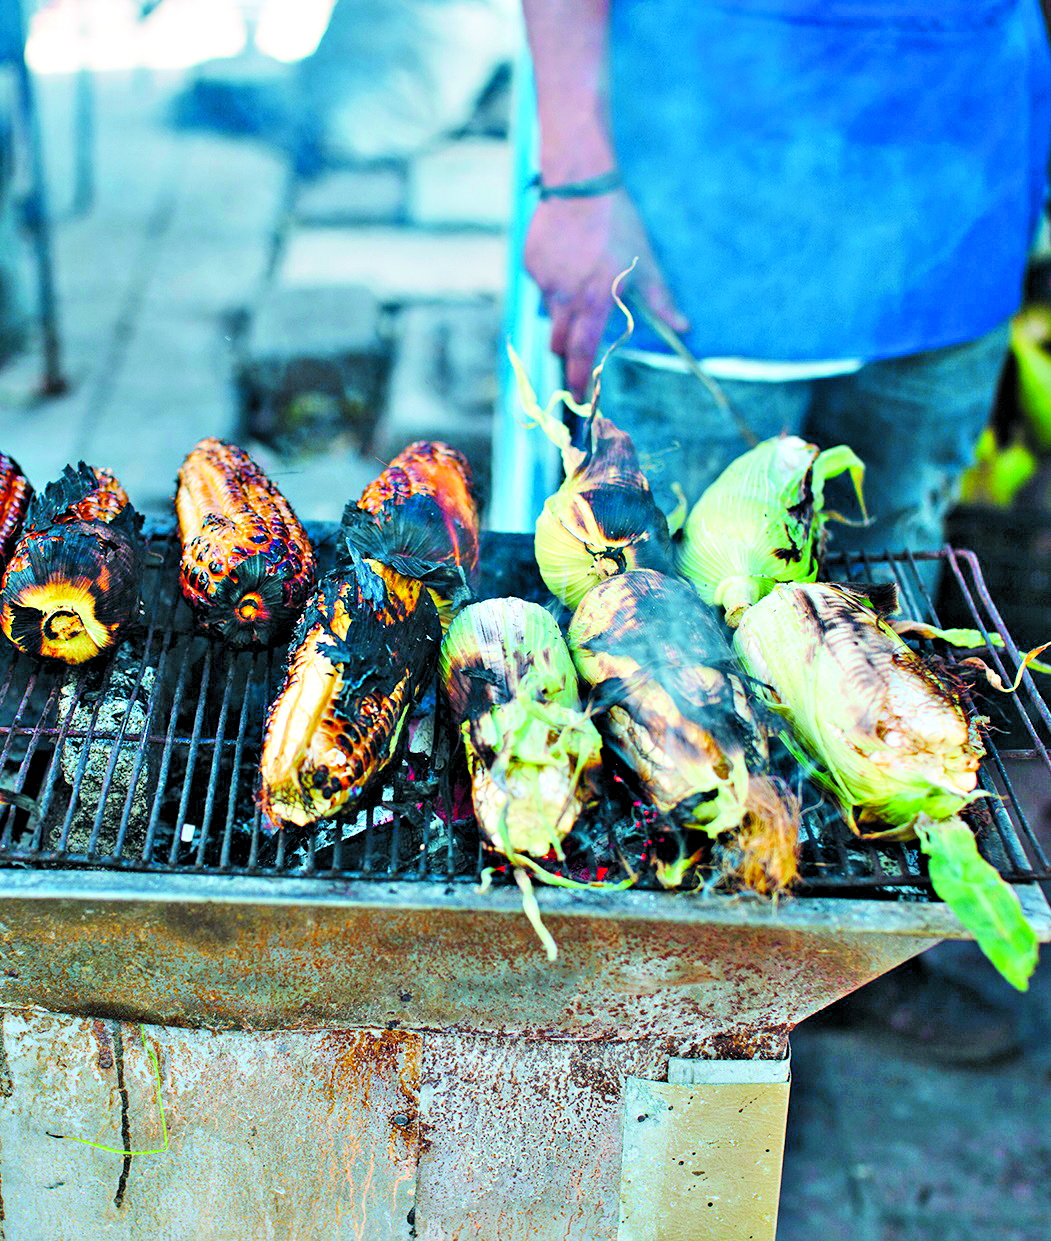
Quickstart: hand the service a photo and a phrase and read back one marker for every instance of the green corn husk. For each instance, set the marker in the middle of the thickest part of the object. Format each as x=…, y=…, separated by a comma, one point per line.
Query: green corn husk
x=603, y=520
x=893, y=743
x=673, y=709
x=532, y=753
x=762, y=521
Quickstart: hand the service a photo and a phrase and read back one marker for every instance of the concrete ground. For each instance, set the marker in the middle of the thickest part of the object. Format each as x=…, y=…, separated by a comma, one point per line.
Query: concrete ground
x=881, y=1147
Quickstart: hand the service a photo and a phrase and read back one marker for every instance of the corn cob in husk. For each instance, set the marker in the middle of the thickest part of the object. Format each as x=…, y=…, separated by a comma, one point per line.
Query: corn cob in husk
x=531, y=752
x=762, y=521
x=603, y=520
x=71, y=587
x=420, y=518
x=362, y=655
x=892, y=741
x=15, y=494
x=672, y=707
x=247, y=564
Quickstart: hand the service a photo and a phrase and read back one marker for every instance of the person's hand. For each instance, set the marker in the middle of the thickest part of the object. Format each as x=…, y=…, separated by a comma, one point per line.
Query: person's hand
x=575, y=249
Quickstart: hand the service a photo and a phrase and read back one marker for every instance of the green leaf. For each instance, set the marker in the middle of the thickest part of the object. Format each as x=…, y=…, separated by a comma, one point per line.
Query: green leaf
x=1030, y=330
x=980, y=898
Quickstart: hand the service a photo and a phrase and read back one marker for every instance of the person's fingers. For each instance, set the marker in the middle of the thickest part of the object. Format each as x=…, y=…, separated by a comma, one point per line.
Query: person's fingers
x=561, y=313
x=585, y=332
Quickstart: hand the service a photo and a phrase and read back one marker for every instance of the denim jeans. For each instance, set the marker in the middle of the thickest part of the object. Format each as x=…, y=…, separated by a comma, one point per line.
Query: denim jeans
x=914, y=421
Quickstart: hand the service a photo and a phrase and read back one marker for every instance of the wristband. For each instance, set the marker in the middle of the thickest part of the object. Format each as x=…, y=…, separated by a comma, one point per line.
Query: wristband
x=590, y=187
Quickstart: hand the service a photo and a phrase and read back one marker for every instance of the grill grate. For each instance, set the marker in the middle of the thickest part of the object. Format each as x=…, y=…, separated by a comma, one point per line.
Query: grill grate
x=150, y=762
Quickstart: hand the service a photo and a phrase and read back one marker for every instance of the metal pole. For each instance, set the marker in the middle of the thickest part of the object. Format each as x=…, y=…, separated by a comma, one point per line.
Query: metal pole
x=525, y=464
x=38, y=218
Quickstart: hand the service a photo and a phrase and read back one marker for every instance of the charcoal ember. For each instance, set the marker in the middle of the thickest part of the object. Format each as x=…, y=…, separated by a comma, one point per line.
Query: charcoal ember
x=110, y=699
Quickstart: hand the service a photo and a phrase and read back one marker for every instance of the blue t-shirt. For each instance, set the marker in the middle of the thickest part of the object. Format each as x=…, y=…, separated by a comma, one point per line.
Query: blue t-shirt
x=834, y=178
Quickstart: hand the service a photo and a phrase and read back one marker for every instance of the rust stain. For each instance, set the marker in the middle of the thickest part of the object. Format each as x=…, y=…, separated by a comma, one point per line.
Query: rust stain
x=747, y=1044
x=6, y=1084
x=105, y=1044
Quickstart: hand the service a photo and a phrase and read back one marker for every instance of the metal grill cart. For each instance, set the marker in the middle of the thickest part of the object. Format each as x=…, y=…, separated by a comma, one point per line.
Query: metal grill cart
x=351, y=1039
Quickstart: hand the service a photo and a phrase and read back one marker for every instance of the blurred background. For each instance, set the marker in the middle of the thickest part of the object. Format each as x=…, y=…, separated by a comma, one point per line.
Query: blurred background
x=294, y=223
x=279, y=221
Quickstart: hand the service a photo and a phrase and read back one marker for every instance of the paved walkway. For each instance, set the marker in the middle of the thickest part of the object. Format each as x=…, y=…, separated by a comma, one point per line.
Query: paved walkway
x=881, y=1148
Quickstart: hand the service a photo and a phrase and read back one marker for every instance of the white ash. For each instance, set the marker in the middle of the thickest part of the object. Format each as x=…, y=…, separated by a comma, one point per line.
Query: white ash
x=121, y=705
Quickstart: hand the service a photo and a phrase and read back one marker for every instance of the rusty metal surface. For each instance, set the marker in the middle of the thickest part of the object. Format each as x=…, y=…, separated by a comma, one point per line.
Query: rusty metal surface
x=634, y=967
x=522, y=1141
x=286, y=1136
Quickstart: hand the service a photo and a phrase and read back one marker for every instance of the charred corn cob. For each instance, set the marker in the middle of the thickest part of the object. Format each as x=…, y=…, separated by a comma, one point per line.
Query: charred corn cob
x=72, y=584
x=892, y=739
x=762, y=521
x=671, y=706
x=15, y=494
x=363, y=652
x=247, y=564
x=603, y=520
x=420, y=519
x=531, y=752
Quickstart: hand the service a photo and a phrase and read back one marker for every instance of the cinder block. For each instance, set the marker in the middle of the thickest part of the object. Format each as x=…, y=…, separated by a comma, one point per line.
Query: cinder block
x=313, y=368
x=374, y=195
x=444, y=381
x=465, y=183
x=397, y=264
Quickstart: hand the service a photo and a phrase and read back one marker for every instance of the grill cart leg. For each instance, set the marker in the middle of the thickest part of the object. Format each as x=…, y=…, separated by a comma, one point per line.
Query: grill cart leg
x=702, y=1152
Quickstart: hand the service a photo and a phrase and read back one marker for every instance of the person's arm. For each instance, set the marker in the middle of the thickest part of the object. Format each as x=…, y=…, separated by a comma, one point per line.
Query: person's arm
x=576, y=246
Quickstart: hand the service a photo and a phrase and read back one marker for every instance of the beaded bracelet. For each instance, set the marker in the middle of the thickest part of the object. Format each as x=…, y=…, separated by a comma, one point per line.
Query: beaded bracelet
x=590, y=187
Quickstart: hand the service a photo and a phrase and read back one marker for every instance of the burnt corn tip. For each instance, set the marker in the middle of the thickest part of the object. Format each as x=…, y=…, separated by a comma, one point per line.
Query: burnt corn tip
x=247, y=564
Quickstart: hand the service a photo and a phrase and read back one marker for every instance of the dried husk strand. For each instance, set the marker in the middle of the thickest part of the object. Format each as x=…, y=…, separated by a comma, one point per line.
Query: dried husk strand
x=72, y=586
x=671, y=706
x=891, y=740
x=762, y=521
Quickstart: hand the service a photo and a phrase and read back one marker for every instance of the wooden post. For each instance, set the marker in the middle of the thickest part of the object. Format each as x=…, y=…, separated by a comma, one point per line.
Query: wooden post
x=702, y=1152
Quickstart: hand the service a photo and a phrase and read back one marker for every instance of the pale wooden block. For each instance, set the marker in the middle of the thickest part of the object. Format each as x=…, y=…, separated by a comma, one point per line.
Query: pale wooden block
x=704, y=1160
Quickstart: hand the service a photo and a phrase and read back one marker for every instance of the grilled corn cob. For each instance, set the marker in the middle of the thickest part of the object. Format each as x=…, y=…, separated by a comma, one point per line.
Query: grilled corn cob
x=362, y=654
x=72, y=584
x=531, y=752
x=672, y=707
x=762, y=521
x=893, y=741
x=247, y=564
x=420, y=519
x=603, y=520
x=15, y=494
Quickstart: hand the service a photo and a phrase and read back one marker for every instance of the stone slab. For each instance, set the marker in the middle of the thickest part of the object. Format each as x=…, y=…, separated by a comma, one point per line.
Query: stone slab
x=399, y=265
x=371, y=195
x=463, y=183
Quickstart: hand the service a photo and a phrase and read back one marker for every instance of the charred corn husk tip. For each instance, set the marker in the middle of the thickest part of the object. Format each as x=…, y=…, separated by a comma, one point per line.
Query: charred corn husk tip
x=420, y=518
x=603, y=519
x=72, y=584
x=247, y=563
